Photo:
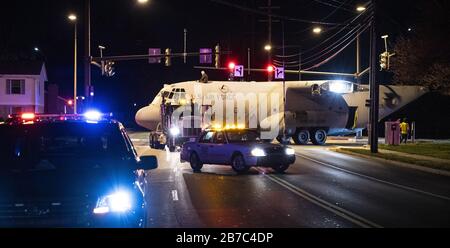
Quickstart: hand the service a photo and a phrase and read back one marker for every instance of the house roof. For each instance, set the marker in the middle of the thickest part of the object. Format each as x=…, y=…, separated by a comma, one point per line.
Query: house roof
x=21, y=68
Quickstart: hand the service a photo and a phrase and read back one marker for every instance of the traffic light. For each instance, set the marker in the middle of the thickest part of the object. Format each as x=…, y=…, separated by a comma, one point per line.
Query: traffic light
x=384, y=61
x=231, y=66
x=217, y=56
x=168, y=58
x=108, y=69
x=270, y=69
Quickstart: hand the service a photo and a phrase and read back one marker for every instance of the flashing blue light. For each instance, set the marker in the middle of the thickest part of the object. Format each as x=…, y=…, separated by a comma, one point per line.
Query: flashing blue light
x=93, y=115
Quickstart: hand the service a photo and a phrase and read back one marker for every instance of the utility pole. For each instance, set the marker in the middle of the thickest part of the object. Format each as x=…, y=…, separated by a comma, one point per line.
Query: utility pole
x=299, y=65
x=358, y=58
x=374, y=89
x=269, y=11
x=284, y=84
x=87, y=51
x=75, y=71
x=269, y=21
x=185, y=45
x=249, y=62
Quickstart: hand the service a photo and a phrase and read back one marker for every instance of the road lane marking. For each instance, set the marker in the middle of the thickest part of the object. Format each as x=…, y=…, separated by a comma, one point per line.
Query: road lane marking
x=175, y=195
x=347, y=215
x=373, y=178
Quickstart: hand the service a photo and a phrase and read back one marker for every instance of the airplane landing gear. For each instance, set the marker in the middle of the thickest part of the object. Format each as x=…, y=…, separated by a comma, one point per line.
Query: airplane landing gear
x=301, y=137
x=319, y=137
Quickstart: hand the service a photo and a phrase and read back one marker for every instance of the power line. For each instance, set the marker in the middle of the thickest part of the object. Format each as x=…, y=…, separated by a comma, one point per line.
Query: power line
x=286, y=18
x=335, y=54
x=332, y=5
x=351, y=35
x=328, y=39
x=335, y=10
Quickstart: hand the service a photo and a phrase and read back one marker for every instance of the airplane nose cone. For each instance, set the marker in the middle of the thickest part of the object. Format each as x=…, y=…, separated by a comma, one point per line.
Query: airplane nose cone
x=148, y=117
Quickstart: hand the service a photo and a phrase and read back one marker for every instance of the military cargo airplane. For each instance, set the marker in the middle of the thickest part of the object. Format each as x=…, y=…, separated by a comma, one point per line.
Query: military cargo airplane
x=312, y=110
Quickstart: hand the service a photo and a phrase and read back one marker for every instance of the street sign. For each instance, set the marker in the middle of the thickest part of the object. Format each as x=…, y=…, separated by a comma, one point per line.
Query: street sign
x=154, y=51
x=239, y=71
x=279, y=73
x=205, y=56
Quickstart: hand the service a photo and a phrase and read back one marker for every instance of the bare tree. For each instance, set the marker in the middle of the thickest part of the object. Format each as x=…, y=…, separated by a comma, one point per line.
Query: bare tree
x=423, y=56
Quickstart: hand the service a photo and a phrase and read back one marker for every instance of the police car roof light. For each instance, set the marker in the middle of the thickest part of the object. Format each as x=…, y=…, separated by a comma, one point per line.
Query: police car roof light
x=28, y=116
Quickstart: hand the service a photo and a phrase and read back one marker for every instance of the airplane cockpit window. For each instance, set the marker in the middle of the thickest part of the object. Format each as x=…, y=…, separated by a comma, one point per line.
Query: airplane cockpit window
x=178, y=94
x=165, y=94
x=171, y=94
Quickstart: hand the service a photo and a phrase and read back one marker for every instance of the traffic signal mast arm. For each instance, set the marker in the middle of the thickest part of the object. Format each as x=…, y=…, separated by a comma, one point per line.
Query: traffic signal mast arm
x=147, y=56
x=286, y=71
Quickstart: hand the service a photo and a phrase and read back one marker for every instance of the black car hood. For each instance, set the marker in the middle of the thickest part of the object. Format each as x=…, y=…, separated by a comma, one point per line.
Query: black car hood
x=63, y=183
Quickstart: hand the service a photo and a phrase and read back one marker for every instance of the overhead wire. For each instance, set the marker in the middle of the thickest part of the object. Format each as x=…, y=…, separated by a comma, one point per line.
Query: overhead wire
x=336, y=45
x=286, y=18
x=325, y=41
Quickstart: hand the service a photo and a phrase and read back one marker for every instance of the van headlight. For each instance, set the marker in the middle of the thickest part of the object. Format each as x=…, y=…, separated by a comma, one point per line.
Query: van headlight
x=119, y=202
x=258, y=152
x=290, y=151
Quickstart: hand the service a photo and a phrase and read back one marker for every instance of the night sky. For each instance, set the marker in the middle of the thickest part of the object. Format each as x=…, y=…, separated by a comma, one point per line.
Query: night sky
x=125, y=27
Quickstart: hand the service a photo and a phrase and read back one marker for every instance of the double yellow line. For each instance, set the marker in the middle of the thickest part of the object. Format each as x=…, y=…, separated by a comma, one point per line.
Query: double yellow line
x=345, y=214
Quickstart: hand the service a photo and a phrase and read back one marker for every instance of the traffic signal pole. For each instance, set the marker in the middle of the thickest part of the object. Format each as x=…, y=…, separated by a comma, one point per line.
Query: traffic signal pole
x=374, y=88
x=87, y=51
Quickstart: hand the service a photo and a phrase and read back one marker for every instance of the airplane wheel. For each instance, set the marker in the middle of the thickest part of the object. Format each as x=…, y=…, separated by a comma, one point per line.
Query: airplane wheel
x=238, y=164
x=196, y=164
x=302, y=137
x=319, y=138
x=284, y=140
x=281, y=168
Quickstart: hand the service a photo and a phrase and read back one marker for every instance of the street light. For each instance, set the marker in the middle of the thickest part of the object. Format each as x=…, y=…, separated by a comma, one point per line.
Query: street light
x=73, y=18
x=268, y=47
x=36, y=49
x=361, y=9
x=317, y=30
x=142, y=1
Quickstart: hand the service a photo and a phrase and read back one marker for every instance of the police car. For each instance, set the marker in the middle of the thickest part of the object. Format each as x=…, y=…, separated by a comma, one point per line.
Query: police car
x=70, y=171
x=240, y=148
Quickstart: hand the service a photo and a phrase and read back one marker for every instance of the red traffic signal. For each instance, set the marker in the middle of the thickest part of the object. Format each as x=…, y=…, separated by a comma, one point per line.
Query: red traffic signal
x=70, y=102
x=231, y=65
x=270, y=68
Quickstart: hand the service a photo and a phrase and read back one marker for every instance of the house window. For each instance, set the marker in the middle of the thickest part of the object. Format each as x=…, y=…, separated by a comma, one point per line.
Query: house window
x=15, y=87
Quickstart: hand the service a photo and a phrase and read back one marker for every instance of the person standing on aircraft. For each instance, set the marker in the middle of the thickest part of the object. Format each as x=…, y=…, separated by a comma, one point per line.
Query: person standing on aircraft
x=404, y=128
x=204, y=78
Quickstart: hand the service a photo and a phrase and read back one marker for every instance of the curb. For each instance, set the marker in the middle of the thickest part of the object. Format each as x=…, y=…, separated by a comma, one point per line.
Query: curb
x=397, y=163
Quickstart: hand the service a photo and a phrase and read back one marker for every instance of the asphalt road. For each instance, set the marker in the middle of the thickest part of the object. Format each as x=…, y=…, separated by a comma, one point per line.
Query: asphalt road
x=322, y=189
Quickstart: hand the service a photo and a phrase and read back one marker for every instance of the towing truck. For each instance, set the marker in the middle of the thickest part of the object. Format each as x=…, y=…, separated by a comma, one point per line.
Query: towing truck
x=174, y=131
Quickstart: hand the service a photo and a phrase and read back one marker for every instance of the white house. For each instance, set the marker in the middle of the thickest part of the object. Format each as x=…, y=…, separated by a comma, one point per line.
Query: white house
x=22, y=87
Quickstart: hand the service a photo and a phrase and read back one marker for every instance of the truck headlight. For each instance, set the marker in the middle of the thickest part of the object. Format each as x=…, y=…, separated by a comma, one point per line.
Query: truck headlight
x=258, y=152
x=175, y=131
x=290, y=151
x=118, y=202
